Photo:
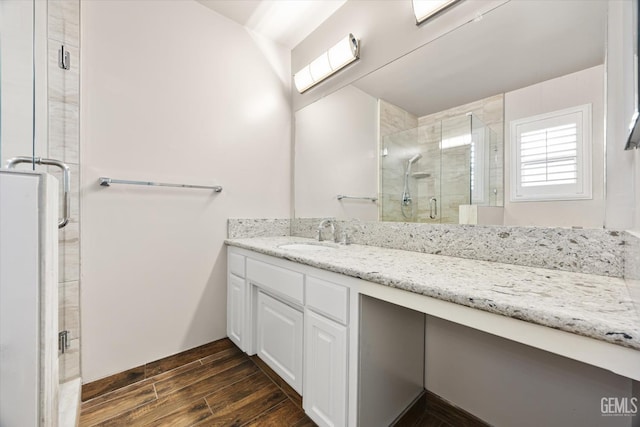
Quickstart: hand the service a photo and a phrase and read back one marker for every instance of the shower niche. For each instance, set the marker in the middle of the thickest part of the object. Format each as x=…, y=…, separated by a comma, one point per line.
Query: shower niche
x=442, y=168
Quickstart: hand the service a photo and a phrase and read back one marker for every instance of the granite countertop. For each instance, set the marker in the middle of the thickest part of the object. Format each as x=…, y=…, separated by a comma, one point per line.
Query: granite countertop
x=598, y=307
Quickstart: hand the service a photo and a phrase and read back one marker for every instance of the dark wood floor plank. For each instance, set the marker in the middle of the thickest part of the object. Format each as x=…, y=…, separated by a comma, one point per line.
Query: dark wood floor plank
x=243, y=401
x=450, y=413
x=121, y=393
x=431, y=421
x=186, y=416
x=220, y=355
x=176, y=382
x=285, y=414
x=220, y=399
x=165, y=405
x=217, y=384
x=172, y=362
x=305, y=422
x=290, y=392
x=112, y=382
x=125, y=402
x=413, y=413
x=180, y=370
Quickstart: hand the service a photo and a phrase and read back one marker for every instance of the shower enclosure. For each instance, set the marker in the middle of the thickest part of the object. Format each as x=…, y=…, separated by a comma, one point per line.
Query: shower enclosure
x=429, y=171
x=38, y=216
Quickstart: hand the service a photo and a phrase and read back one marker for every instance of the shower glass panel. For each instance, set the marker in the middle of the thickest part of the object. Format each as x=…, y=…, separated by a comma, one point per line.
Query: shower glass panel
x=429, y=171
x=22, y=113
x=455, y=158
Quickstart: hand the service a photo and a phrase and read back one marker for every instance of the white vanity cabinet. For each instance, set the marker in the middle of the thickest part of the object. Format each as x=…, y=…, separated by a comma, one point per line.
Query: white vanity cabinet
x=297, y=320
x=236, y=300
x=325, y=370
x=279, y=332
x=278, y=323
x=235, y=309
x=326, y=349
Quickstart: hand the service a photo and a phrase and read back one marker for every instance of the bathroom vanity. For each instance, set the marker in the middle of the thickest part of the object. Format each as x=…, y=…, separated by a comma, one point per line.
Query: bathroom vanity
x=299, y=320
x=345, y=325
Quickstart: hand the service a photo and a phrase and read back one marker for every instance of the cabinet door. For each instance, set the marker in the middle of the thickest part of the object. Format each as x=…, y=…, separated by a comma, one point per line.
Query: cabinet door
x=236, y=289
x=279, y=339
x=325, y=383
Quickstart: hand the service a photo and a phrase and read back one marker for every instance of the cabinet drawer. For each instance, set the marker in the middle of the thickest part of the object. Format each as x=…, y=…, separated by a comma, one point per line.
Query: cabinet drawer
x=236, y=264
x=277, y=279
x=329, y=299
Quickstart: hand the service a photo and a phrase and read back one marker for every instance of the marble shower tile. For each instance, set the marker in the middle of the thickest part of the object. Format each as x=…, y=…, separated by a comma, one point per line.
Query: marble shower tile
x=64, y=143
x=69, y=362
x=493, y=109
x=69, y=253
x=64, y=21
x=394, y=119
x=64, y=85
x=69, y=308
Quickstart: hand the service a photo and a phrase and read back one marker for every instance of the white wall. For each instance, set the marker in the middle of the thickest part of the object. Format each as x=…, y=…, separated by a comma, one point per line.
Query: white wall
x=329, y=135
x=510, y=384
x=582, y=87
x=173, y=92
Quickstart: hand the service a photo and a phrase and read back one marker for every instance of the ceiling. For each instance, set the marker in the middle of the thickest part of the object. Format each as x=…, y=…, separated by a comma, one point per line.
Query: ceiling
x=516, y=45
x=286, y=22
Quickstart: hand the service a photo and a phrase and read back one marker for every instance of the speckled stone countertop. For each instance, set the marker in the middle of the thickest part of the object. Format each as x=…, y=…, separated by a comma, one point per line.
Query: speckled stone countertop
x=593, y=306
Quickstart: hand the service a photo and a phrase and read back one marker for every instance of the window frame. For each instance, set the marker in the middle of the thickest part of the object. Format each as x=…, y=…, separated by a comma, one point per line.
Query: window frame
x=582, y=189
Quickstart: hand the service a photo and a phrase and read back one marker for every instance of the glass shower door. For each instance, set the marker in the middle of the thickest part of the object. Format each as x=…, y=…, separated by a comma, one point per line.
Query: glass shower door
x=28, y=234
x=456, y=174
x=23, y=106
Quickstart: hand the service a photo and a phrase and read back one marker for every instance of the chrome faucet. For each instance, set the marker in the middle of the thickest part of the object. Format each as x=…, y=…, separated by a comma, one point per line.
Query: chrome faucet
x=323, y=224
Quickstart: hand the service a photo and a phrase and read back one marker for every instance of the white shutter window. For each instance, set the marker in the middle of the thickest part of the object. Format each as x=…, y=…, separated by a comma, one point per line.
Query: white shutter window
x=551, y=156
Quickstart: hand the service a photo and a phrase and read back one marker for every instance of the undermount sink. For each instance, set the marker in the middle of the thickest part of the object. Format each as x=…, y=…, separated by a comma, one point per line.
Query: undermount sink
x=307, y=247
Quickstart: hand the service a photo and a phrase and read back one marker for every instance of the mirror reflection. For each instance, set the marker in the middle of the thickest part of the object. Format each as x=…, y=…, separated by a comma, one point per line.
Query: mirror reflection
x=429, y=134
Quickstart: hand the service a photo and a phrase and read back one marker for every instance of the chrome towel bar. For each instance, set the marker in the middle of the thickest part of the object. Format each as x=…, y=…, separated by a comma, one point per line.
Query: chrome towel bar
x=342, y=196
x=106, y=182
x=66, y=181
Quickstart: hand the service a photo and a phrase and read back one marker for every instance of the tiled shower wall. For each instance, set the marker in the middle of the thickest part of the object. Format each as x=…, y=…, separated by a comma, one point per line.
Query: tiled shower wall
x=491, y=112
x=63, y=106
x=393, y=121
x=447, y=171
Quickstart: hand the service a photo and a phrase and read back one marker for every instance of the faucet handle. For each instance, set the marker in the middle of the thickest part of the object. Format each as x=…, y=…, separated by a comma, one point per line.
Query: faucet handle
x=343, y=238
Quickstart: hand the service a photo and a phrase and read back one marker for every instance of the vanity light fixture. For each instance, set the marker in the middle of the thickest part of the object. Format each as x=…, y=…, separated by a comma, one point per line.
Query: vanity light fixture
x=425, y=9
x=339, y=56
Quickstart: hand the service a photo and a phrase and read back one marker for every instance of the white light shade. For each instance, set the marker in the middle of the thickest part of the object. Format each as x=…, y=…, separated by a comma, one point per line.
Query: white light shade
x=343, y=53
x=423, y=9
x=303, y=79
x=320, y=67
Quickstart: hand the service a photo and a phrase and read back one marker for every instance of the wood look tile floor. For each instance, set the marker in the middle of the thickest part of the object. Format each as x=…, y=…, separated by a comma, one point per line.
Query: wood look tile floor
x=220, y=387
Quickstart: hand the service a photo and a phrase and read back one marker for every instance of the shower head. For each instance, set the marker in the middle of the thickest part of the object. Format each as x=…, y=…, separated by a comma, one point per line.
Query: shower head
x=415, y=158
x=410, y=161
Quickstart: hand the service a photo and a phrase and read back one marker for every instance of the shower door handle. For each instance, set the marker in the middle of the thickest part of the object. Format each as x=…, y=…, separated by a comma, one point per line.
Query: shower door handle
x=66, y=181
x=433, y=208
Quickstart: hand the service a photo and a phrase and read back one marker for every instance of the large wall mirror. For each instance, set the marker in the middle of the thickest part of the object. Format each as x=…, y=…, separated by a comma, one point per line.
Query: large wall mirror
x=475, y=127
